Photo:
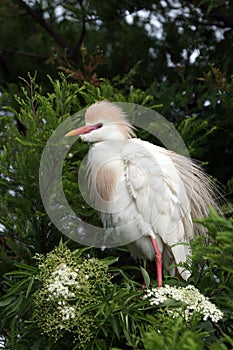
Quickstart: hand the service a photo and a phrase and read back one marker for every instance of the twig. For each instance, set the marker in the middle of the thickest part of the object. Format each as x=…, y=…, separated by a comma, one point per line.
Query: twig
x=24, y=53
x=32, y=100
x=83, y=33
x=219, y=329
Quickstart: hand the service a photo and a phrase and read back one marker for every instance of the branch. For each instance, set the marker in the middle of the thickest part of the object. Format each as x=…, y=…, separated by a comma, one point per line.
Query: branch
x=83, y=33
x=40, y=20
x=24, y=53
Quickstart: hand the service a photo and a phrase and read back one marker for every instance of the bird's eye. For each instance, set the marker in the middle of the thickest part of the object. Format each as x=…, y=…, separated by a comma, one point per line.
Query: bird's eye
x=98, y=126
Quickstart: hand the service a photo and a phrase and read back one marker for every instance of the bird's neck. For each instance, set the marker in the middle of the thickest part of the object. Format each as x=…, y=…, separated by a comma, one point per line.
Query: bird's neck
x=103, y=151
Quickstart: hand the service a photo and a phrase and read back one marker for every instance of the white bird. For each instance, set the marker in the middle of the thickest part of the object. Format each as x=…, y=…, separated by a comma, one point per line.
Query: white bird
x=147, y=196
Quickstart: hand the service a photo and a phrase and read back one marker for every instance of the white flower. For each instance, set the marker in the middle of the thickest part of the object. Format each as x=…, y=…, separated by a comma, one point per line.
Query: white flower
x=67, y=312
x=194, y=302
x=61, y=281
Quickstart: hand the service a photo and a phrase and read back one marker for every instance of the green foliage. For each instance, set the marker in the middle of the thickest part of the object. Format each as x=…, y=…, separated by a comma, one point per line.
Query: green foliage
x=39, y=114
x=72, y=289
x=200, y=104
x=26, y=229
x=217, y=253
x=173, y=336
x=212, y=265
x=138, y=68
x=180, y=53
x=72, y=300
x=26, y=226
x=108, y=315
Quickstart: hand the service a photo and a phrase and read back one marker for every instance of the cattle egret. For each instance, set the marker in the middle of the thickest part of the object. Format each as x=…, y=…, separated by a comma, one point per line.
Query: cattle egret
x=160, y=191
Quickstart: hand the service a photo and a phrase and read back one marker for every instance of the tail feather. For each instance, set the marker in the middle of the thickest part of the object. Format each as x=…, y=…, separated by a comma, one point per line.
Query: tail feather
x=201, y=190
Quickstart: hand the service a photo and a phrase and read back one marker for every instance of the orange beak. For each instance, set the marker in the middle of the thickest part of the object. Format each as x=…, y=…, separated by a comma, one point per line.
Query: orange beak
x=81, y=131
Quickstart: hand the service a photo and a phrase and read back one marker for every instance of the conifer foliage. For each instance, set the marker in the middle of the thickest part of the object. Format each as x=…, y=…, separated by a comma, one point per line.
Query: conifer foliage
x=60, y=295
x=57, y=58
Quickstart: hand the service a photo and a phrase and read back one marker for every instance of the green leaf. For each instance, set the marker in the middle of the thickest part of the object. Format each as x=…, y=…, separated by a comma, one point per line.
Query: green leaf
x=115, y=326
x=29, y=288
x=25, y=143
x=146, y=277
x=109, y=260
x=16, y=288
x=6, y=301
x=29, y=268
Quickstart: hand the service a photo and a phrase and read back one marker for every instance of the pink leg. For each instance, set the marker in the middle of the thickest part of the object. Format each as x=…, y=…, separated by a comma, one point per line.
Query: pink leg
x=158, y=259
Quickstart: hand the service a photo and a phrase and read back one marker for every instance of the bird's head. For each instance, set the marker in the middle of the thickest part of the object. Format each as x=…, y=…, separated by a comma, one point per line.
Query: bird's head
x=104, y=121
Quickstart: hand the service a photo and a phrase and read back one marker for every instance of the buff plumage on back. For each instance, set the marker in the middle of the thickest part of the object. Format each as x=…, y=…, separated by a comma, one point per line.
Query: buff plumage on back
x=110, y=113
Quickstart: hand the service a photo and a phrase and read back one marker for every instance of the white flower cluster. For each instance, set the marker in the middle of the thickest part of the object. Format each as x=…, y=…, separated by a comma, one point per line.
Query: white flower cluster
x=61, y=286
x=61, y=280
x=67, y=312
x=193, y=300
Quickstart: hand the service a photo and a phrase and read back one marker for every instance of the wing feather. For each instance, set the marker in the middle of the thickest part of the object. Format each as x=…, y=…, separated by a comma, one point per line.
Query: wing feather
x=159, y=195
